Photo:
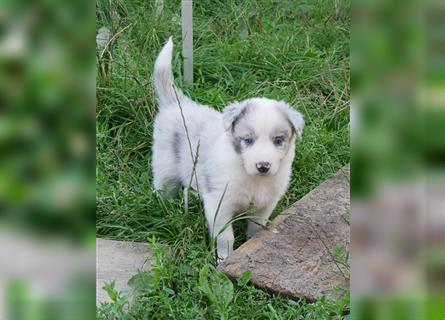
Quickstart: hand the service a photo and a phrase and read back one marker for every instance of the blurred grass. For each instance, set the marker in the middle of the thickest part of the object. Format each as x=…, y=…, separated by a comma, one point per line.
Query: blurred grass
x=297, y=51
x=398, y=152
x=47, y=197
x=46, y=123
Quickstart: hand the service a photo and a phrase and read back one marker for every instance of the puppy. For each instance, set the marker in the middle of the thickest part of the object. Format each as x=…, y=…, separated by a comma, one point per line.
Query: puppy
x=236, y=158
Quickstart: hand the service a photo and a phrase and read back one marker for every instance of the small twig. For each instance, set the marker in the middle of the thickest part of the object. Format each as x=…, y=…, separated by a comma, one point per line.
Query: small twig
x=112, y=39
x=195, y=162
x=194, y=171
x=346, y=220
x=213, y=240
x=183, y=122
x=132, y=74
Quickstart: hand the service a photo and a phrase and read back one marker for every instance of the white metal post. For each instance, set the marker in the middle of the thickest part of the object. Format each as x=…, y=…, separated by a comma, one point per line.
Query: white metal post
x=159, y=4
x=187, y=39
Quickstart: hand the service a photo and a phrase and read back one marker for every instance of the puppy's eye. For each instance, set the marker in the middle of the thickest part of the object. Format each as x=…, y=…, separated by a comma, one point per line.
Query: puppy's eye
x=248, y=141
x=278, y=141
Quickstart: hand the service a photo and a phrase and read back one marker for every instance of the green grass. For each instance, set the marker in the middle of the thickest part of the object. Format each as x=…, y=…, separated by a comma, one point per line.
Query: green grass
x=297, y=51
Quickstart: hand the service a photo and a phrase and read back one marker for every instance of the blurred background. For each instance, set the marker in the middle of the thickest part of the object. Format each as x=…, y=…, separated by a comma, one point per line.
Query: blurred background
x=47, y=159
x=398, y=160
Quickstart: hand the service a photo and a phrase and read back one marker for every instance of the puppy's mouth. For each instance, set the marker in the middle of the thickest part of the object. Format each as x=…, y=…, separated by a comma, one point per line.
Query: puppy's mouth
x=258, y=174
x=263, y=174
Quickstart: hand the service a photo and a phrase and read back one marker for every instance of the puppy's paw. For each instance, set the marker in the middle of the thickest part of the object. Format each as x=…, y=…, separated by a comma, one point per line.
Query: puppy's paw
x=221, y=257
x=224, y=247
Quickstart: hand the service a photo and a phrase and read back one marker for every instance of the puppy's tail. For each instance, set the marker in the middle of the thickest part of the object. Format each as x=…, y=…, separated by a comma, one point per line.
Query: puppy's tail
x=166, y=91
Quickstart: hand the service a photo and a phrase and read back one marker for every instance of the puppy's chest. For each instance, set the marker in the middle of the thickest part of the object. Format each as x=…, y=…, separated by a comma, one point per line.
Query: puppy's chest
x=260, y=195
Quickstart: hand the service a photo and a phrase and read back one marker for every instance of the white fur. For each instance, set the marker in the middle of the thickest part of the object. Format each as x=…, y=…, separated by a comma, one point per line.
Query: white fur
x=226, y=159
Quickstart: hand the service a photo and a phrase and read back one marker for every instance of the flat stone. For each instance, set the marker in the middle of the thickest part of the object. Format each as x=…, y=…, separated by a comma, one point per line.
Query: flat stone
x=46, y=266
x=119, y=261
x=295, y=256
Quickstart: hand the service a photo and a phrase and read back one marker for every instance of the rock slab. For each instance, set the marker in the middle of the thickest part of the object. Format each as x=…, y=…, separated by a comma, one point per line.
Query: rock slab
x=298, y=255
x=119, y=261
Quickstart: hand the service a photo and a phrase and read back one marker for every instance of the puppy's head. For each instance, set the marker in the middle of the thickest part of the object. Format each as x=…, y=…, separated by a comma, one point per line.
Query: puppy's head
x=262, y=133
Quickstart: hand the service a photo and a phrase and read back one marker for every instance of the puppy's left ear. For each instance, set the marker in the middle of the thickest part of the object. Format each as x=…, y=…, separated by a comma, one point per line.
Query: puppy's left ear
x=295, y=118
x=232, y=113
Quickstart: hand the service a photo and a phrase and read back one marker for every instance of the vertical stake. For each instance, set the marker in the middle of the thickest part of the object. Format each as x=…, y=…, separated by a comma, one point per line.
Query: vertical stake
x=187, y=39
x=159, y=4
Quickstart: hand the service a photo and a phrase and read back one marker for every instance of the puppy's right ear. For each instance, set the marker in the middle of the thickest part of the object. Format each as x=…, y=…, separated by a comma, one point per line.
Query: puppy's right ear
x=233, y=113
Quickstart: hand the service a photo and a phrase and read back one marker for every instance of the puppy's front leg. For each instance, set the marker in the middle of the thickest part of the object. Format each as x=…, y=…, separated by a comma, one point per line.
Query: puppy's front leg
x=263, y=214
x=219, y=226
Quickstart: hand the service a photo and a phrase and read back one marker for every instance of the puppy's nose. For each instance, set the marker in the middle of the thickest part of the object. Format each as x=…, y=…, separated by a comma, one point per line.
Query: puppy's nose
x=263, y=167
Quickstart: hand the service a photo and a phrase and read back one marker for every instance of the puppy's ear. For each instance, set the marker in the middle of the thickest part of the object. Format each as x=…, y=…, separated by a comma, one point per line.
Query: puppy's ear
x=233, y=113
x=295, y=118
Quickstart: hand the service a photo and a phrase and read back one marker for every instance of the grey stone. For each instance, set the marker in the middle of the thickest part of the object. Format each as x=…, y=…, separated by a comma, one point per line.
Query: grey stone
x=119, y=261
x=46, y=266
x=295, y=256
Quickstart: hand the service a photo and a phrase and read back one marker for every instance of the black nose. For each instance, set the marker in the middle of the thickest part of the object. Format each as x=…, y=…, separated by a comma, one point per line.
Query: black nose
x=263, y=167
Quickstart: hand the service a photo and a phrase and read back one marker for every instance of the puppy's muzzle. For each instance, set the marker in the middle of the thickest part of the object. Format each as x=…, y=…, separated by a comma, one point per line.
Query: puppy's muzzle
x=263, y=167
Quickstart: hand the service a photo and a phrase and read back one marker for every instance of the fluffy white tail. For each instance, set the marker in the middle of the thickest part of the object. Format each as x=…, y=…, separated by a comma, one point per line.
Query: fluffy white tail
x=163, y=78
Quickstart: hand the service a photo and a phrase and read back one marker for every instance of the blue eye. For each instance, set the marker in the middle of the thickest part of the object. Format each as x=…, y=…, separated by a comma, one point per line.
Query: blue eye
x=248, y=141
x=278, y=141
